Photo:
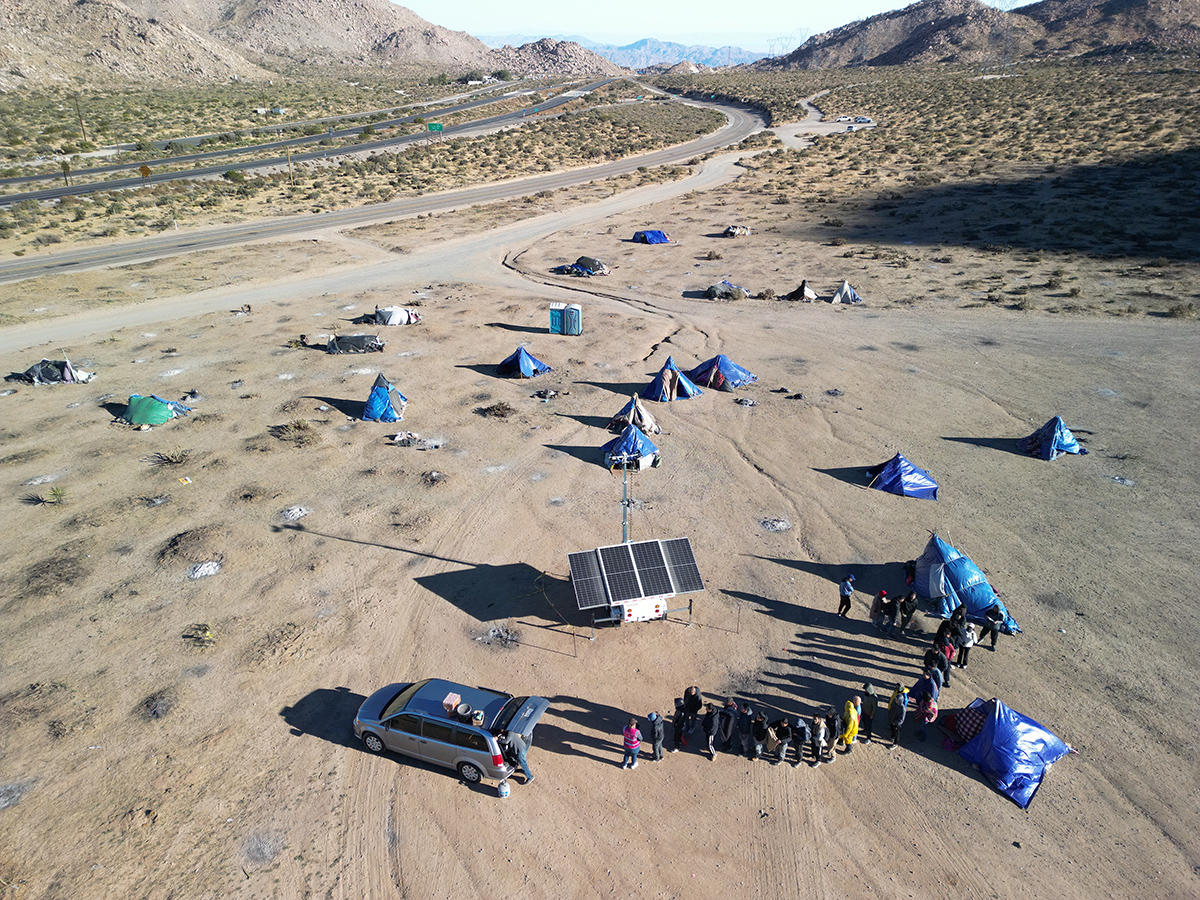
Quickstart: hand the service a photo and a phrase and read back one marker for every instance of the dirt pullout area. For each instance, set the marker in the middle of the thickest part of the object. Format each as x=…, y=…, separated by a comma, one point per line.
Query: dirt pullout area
x=191, y=625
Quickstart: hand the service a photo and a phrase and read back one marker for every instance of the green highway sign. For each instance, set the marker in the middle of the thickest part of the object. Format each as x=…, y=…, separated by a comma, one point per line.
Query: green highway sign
x=435, y=126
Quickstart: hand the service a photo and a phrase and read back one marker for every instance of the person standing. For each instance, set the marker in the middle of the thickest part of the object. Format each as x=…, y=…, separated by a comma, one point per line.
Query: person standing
x=850, y=722
x=966, y=640
x=729, y=723
x=801, y=736
x=519, y=748
x=908, y=608
x=866, y=721
x=993, y=619
x=658, y=730
x=818, y=734
x=783, y=733
x=833, y=731
x=876, y=614
x=711, y=725
x=887, y=614
x=927, y=713
x=677, y=738
x=691, y=710
x=845, y=592
x=632, y=740
x=746, y=728
x=897, y=711
x=758, y=731
x=934, y=663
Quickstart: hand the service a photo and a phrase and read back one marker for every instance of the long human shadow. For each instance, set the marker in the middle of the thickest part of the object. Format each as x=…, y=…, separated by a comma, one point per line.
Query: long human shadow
x=1140, y=207
x=1007, y=445
x=608, y=721
x=352, y=408
x=482, y=590
x=868, y=577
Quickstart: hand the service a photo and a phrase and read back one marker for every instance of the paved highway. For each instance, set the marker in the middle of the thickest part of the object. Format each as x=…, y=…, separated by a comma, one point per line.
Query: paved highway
x=276, y=161
x=741, y=123
x=257, y=148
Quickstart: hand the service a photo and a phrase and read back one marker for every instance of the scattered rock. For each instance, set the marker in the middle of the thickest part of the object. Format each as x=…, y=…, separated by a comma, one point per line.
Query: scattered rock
x=1125, y=481
x=770, y=524
x=12, y=792
x=157, y=705
x=261, y=847
x=745, y=401
x=414, y=440
x=501, y=410
x=504, y=637
x=433, y=478
x=834, y=392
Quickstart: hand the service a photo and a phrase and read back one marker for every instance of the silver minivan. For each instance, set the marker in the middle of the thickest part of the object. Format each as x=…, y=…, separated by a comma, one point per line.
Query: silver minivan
x=448, y=724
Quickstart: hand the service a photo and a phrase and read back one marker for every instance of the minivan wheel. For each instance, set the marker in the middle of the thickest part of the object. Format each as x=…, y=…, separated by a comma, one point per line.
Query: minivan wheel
x=470, y=772
x=373, y=743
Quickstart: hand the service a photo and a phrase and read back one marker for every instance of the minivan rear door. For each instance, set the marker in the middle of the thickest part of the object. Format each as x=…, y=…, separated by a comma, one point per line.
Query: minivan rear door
x=520, y=714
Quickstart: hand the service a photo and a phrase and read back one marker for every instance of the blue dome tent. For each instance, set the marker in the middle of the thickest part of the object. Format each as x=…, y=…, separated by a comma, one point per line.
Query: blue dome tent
x=1013, y=751
x=384, y=403
x=651, y=237
x=899, y=476
x=721, y=373
x=522, y=364
x=670, y=384
x=1052, y=440
x=946, y=574
x=631, y=449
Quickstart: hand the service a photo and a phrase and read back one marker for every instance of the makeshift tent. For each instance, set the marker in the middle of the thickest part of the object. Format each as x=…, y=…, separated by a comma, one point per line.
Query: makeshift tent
x=522, y=364
x=634, y=413
x=355, y=343
x=946, y=574
x=724, y=290
x=395, y=315
x=573, y=269
x=384, y=403
x=670, y=384
x=592, y=265
x=52, y=372
x=899, y=476
x=721, y=373
x=1013, y=751
x=845, y=294
x=631, y=449
x=651, y=237
x=803, y=293
x=736, y=231
x=152, y=410
x=1052, y=440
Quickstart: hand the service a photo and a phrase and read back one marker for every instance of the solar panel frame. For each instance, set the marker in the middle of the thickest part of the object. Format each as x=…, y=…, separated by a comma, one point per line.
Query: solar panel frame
x=652, y=568
x=587, y=579
x=620, y=573
x=681, y=564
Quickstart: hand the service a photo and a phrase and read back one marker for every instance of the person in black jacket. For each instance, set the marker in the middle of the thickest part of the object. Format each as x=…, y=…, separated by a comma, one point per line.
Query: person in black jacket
x=678, y=740
x=691, y=710
x=993, y=619
x=758, y=730
x=658, y=730
x=833, y=724
x=801, y=737
x=908, y=608
x=729, y=723
x=783, y=733
x=866, y=715
x=746, y=728
x=712, y=724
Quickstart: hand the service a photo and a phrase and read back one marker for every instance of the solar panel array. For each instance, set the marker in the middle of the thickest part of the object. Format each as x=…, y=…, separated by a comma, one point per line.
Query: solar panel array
x=624, y=572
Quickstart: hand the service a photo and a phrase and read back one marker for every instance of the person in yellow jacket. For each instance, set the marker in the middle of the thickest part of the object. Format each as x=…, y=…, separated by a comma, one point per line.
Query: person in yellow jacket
x=853, y=706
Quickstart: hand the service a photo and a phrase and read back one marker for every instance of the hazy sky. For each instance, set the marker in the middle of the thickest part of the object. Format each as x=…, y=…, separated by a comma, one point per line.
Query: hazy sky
x=765, y=25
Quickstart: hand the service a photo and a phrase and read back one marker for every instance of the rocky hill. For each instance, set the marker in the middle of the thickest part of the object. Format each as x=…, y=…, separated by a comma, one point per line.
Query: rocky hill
x=649, y=52
x=971, y=32
x=44, y=42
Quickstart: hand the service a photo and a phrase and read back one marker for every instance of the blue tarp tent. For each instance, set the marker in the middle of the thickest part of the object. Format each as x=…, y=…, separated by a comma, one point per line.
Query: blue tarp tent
x=670, y=384
x=384, y=403
x=947, y=575
x=721, y=373
x=899, y=476
x=1013, y=751
x=630, y=448
x=522, y=364
x=1052, y=440
x=651, y=237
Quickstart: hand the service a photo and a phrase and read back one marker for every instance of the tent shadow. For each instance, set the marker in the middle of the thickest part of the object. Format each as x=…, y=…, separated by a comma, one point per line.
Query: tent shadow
x=492, y=371
x=526, y=329
x=589, y=421
x=352, y=408
x=1006, y=445
x=624, y=388
x=715, y=234
x=326, y=714
x=856, y=475
x=694, y=295
x=583, y=453
x=114, y=409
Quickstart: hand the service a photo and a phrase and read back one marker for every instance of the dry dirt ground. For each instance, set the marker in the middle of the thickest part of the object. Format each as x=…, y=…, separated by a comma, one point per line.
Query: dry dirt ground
x=134, y=762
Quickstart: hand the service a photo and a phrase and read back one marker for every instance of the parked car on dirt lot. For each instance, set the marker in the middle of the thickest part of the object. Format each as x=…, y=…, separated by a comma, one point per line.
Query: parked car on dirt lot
x=862, y=120
x=448, y=724
x=843, y=119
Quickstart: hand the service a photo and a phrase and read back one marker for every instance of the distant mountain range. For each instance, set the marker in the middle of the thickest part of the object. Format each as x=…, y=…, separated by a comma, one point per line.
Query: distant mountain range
x=969, y=31
x=649, y=52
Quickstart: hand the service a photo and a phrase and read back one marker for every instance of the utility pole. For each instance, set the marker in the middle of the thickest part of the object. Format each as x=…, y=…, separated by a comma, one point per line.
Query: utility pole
x=66, y=170
x=78, y=112
x=291, y=176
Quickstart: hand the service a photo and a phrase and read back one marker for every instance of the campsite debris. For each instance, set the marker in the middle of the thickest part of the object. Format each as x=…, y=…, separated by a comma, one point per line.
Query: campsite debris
x=51, y=372
x=200, y=636
x=192, y=396
x=204, y=569
x=236, y=384
x=170, y=351
x=545, y=394
x=775, y=524
x=157, y=705
x=736, y=231
x=503, y=636
x=501, y=410
x=12, y=792
x=8, y=392
x=1125, y=481
x=781, y=390
x=745, y=401
x=796, y=396
x=151, y=502
x=294, y=513
x=433, y=478
x=39, y=479
x=834, y=392
x=412, y=439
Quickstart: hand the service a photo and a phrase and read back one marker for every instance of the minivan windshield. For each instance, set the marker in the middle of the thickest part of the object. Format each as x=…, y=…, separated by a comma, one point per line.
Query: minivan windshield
x=400, y=701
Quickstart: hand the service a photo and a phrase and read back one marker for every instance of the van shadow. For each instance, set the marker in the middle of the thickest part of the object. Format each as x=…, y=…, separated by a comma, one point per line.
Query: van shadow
x=583, y=453
x=856, y=475
x=1007, y=445
x=326, y=714
x=351, y=408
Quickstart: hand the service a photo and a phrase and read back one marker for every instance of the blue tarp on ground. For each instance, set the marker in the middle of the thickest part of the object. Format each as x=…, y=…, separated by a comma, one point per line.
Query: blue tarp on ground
x=1013, y=751
x=948, y=576
x=628, y=447
x=670, y=384
x=721, y=373
x=522, y=364
x=384, y=403
x=651, y=237
x=899, y=476
x=1052, y=440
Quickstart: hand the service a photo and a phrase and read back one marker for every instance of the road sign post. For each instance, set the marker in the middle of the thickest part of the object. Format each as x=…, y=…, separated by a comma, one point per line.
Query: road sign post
x=144, y=171
x=435, y=126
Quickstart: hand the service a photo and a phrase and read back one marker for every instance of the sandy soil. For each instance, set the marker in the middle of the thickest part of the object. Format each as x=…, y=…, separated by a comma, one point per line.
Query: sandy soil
x=176, y=771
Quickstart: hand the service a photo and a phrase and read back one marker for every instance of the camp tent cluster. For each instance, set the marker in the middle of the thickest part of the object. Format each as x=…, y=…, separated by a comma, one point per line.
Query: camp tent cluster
x=584, y=267
x=948, y=576
x=384, y=403
x=652, y=237
x=151, y=410
x=899, y=476
x=522, y=364
x=391, y=315
x=355, y=343
x=1052, y=440
x=52, y=372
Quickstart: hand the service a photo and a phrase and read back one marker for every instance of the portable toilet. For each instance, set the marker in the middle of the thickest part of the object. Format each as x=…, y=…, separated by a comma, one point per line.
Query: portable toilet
x=566, y=319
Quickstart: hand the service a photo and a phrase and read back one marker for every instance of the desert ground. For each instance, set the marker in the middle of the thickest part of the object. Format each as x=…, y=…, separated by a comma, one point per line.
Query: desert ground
x=136, y=761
